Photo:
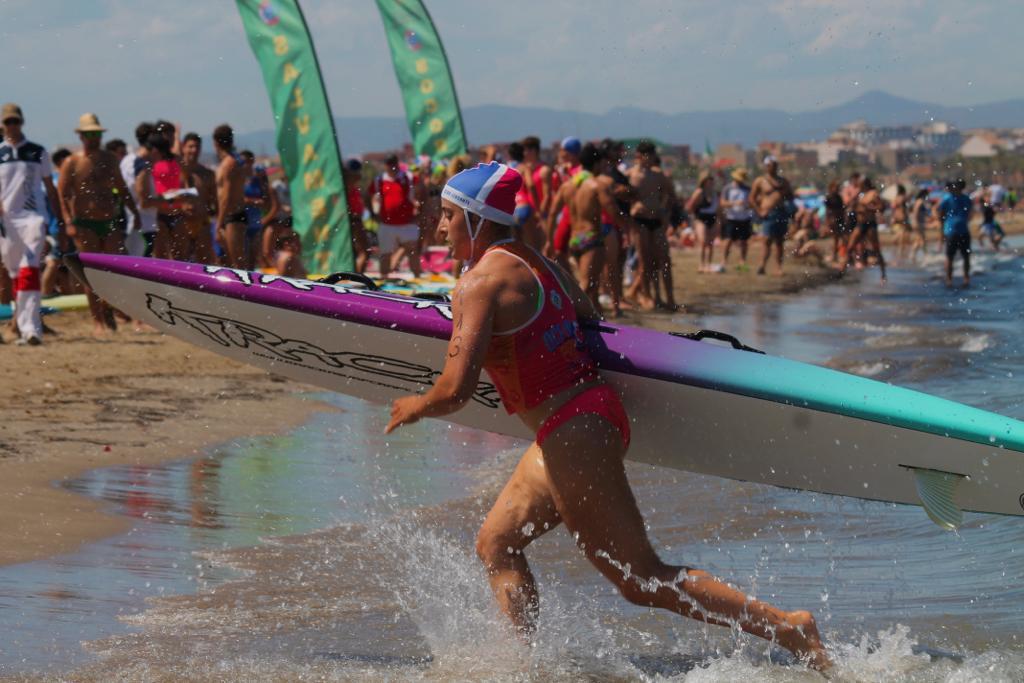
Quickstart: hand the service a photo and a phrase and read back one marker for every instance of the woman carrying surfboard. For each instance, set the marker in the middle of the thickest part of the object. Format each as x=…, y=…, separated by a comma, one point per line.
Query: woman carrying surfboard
x=517, y=315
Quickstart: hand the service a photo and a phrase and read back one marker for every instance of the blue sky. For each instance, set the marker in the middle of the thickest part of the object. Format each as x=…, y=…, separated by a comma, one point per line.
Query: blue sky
x=188, y=60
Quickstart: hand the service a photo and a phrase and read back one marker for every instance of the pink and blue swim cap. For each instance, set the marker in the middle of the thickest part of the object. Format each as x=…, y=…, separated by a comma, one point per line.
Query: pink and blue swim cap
x=487, y=190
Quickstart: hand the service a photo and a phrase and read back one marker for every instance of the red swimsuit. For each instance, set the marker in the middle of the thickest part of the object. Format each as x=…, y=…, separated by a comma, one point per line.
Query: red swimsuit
x=545, y=355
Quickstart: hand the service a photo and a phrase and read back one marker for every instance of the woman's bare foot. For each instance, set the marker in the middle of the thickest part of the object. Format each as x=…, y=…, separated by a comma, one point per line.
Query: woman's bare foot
x=804, y=641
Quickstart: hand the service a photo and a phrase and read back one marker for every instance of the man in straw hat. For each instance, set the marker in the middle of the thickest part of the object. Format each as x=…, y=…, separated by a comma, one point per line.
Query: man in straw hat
x=738, y=215
x=93, y=191
x=24, y=174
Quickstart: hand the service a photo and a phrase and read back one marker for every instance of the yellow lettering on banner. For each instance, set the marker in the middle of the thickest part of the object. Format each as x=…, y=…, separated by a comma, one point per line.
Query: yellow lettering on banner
x=426, y=86
x=290, y=73
x=430, y=105
x=309, y=154
x=436, y=126
x=421, y=66
x=313, y=180
x=297, y=100
x=302, y=123
x=280, y=45
x=441, y=146
x=323, y=234
x=318, y=208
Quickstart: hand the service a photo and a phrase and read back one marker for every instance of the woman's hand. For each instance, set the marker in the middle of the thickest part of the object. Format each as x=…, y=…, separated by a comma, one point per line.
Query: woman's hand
x=405, y=410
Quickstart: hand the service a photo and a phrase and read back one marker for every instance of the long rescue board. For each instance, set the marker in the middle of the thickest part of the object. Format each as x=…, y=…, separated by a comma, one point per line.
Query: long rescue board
x=694, y=406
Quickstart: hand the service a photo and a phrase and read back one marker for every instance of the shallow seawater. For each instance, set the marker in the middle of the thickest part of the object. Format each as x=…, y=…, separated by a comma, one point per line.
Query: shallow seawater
x=332, y=553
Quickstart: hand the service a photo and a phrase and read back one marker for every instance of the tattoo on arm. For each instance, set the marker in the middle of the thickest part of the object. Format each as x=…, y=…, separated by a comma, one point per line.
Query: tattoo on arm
x=456, y=345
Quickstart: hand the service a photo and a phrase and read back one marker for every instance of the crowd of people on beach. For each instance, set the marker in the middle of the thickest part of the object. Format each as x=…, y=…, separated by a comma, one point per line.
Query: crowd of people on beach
x=610, y=214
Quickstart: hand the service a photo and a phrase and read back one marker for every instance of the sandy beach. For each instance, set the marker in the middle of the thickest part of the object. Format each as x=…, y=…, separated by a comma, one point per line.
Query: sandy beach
x=79, y=403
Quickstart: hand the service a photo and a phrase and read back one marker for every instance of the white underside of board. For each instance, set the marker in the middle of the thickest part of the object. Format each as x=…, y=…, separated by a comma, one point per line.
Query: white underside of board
x=674, y=425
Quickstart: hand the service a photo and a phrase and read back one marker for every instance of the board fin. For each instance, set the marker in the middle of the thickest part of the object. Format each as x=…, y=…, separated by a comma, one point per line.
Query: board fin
x=936, y=489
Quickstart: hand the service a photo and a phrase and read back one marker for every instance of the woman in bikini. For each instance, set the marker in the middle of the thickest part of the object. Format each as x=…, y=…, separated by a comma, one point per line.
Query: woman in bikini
x=517, y=315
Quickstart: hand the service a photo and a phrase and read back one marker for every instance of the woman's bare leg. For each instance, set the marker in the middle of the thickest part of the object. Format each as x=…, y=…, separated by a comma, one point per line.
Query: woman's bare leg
x=523, y=511
x=583, y=462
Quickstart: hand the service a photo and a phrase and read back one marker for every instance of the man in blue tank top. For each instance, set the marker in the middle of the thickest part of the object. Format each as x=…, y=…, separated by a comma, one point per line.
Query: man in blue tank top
x=955, y=213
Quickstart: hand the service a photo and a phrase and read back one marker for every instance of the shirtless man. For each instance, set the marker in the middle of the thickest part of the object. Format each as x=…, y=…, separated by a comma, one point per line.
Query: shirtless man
x=770, y=197
x=617, y=184
x=519, y=316
x=199, y=210
x=91, y=193
x=230, y=179
x=545, y=180
x=866, y=208
x=901, y=223
x=651, y=196
x=588, y=200
x=849, y=193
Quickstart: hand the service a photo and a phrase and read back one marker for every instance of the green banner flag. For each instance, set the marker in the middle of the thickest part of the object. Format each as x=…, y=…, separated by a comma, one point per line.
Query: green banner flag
x=425, y=78
x=306, y=139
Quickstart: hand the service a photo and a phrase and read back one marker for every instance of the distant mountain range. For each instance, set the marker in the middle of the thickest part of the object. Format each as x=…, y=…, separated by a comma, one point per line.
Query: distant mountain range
x=494, y=123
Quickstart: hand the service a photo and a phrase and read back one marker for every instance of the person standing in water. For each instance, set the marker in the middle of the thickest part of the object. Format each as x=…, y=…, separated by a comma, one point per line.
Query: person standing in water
x=867, y=208
x=922, y=213
x=900, y=223
x=518, y=315
x=954, y=211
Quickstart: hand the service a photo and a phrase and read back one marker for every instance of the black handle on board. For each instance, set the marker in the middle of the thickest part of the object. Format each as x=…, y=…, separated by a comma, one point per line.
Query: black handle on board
x=719, y=336
x=433, y=296
x=341, y=276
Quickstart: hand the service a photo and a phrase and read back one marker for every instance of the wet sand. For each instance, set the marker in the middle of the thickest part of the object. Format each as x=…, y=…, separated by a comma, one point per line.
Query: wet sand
x=78, y=403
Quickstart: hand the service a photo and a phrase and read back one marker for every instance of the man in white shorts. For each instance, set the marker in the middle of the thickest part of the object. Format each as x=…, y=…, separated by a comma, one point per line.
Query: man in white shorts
x=25, y=171
x=392, y=196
